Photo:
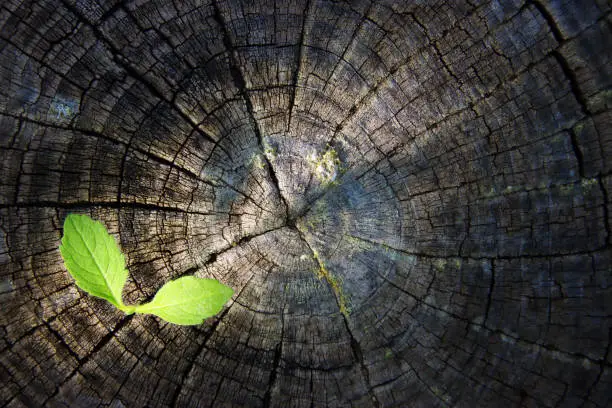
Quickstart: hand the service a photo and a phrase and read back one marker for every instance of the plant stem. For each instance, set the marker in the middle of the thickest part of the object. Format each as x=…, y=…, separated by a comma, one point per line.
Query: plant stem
x=128, y=309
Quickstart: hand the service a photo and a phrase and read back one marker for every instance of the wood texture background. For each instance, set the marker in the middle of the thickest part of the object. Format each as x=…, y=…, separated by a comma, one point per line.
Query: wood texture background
x=461, y=256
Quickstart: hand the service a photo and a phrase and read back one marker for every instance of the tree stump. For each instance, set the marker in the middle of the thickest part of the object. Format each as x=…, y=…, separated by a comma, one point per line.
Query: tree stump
x=411, y=200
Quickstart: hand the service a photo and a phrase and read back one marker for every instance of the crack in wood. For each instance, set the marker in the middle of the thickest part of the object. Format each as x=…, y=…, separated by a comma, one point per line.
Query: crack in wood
x=238, y=78
x=467, y=327
x=132, y=72
x=355, y=346
x=300, y=59
x=606, y=211
x=83, y=361
x=278, y=355
x=489, y=293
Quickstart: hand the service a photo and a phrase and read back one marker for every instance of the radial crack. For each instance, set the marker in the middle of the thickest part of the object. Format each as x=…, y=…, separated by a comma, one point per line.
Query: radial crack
x=83, y=361
x=490, y=293
x=298, y=68
x=238, y=78
x=131, y=71
x=278, y=353
x=606, y=216
x=341, y=302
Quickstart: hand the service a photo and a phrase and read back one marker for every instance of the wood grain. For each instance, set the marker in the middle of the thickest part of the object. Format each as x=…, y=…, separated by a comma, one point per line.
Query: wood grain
x=458, y=252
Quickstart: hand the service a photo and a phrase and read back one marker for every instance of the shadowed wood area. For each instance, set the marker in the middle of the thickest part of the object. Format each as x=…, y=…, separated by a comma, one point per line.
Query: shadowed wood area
x=411, y=200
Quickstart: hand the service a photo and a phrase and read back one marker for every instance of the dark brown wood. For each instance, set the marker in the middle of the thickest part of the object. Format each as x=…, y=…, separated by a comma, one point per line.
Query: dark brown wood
x=412, y=201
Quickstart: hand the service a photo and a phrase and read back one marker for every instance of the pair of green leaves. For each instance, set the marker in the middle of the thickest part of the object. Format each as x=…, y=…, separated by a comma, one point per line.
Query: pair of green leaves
x=96, y=263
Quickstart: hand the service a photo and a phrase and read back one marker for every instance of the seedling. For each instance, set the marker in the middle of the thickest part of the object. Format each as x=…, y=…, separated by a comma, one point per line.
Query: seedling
x=94, y=260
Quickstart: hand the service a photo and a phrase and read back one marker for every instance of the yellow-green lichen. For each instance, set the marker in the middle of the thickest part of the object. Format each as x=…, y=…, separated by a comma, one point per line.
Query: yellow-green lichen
x=578, y=128
x=259, y=161
x=587, y=184
x=270, y=152
x=326, y=167
x=440, y=264
x=492, y=192
x=334, y=282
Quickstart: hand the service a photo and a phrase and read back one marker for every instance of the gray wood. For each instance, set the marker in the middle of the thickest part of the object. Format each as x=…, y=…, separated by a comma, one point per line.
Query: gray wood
x=458, y=254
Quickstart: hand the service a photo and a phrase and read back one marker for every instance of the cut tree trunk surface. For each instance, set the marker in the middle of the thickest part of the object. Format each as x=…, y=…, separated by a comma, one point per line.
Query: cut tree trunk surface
x=411, y=200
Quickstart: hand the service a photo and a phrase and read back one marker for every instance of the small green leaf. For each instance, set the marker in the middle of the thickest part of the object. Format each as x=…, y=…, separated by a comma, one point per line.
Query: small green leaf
x=96, y=263
x=188, y=300
x=93, y=258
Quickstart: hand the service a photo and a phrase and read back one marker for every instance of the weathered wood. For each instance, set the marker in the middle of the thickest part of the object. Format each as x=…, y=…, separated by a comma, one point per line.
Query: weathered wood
x=412, y=200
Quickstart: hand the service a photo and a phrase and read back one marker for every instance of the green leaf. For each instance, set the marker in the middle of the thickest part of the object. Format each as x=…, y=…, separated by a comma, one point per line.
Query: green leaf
x=96, y=263
x=188, y=300
x=94, y=260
